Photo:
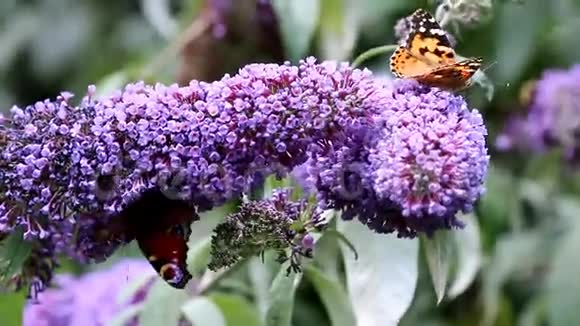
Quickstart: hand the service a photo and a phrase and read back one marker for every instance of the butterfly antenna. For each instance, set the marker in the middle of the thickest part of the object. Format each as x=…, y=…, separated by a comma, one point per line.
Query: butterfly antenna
x=489, y=66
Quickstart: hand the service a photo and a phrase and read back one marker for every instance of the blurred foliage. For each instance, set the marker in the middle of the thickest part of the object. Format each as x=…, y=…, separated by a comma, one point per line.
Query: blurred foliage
x=515, y=263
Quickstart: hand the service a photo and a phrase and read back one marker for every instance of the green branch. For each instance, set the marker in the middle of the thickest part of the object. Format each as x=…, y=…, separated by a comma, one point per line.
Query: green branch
x=373, y=53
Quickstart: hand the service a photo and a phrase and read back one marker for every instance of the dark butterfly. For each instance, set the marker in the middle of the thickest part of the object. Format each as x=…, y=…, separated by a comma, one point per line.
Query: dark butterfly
x=161, y=227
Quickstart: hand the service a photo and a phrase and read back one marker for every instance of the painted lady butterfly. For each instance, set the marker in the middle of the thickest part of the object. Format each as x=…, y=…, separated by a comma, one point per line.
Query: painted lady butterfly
x=427, y=56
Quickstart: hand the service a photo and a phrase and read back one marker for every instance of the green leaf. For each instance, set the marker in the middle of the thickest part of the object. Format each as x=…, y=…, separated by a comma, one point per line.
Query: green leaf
x=11, y=308
x=327, y=256
x=111, y=83
x=123, y=317
x=162, y=305
x=514, y=254
x=237, y=310
x=298, y=20
x=281, y=297
x=334, y=297
x=516, y=43
x=468, y=253
x=563, y=289
x=198, y=256
x=342, y=239
x=14, y=251
x=534, y=313
x=338, y=28
x=260, y=277
x=373, y=12
x=495, y=208
x=202, y=311
x=129, y=290
x=437, y=252
x=382, y=281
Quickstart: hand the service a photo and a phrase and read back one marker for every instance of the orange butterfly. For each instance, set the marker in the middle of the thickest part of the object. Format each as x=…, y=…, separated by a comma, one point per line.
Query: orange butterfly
x=427, y=56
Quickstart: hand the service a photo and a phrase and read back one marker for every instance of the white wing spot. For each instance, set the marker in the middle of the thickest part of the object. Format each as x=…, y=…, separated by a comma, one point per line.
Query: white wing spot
x=422, y=29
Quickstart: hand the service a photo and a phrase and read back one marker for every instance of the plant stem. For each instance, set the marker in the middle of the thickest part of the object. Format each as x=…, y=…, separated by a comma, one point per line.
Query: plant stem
x=168, y=55
x=373, y=53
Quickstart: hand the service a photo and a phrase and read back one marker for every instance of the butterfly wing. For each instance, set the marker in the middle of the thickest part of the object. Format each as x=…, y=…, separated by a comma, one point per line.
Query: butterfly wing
x=404, y=64
x=454, y=76
x=161, y=227
x=427, y=41
x=427, y=56
x=166, y=251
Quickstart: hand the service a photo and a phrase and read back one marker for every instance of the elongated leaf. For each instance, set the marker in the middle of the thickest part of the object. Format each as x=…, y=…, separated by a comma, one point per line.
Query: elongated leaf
x=112, y=82
x=203, y=311
x=281, y=302
x=237, y=310
x=13, y=252
x=338, y=28
x=516, y=43
x=438, y=253
x=162, y=305
x=327, y=255
x=298, y=20
x=260, y=276
x=563, y=291
x=131, y=289
x=468, y=251
x=534, y=313
x=334, y=297
x=11, y=308
x=125, y=316
x=382, y=281
x=198, y=256
x=513, y=255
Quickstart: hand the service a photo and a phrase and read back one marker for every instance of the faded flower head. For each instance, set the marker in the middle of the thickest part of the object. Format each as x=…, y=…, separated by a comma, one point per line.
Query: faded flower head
x=424, y=162
x=464, y=12
x=92, y=299
x=553, y=119
x=276, y=223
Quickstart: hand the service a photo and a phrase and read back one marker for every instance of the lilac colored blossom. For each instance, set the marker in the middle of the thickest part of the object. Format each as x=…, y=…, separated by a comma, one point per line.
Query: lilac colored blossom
x=67, y=171
x=90, y=300
x=431, y=159
x=303, y=179
x=424, y=162
x=553, y=119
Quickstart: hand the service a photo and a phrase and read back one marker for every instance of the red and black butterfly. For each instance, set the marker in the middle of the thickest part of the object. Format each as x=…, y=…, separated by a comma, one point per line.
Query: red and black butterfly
x=161, y=227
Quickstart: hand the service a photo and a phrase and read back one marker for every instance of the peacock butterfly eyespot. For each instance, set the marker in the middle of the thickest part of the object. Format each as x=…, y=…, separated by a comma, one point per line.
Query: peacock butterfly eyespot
x=174, y=275
x=161, y=227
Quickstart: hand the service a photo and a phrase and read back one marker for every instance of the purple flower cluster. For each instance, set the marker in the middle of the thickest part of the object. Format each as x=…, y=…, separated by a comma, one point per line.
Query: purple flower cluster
x=553, y=119
x=424, y=161
x=399, y=156
x=92, y=299
x=68, y=170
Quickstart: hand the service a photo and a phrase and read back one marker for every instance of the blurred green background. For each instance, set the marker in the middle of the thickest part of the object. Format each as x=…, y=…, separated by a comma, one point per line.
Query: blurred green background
x=526, y=267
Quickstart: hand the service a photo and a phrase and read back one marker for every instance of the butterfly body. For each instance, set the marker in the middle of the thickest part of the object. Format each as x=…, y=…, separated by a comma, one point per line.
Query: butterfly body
x=427, y=56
